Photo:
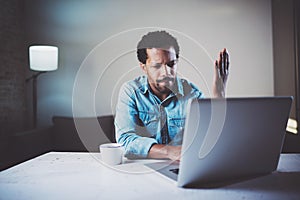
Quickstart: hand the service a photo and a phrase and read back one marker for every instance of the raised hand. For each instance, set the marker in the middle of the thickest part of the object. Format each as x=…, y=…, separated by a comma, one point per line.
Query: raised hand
x=221, y=74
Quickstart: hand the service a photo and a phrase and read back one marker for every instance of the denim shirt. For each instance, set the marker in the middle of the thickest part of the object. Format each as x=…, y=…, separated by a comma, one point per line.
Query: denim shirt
x=138, y=115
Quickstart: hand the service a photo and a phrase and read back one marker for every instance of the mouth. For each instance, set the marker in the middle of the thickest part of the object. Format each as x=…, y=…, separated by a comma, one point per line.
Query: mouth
x=165, y=80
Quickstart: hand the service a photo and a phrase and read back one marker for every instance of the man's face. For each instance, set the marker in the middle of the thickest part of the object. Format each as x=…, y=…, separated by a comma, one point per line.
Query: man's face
x=161, y=69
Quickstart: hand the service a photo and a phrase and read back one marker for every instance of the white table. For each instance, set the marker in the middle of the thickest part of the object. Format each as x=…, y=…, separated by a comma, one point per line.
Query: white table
x=72, y=176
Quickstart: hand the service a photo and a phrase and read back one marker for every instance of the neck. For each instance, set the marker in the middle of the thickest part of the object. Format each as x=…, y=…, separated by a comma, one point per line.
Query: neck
x=160, y=95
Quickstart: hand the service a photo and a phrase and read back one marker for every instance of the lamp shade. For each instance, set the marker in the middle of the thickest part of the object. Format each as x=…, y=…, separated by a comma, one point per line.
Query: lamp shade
x=43, y=58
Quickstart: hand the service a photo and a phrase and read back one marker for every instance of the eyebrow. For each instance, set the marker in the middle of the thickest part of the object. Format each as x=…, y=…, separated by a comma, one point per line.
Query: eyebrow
x=162, y=63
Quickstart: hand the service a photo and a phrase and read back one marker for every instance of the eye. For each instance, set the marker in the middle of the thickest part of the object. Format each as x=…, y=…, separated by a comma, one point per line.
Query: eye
x=172, y=63
x=156, y=66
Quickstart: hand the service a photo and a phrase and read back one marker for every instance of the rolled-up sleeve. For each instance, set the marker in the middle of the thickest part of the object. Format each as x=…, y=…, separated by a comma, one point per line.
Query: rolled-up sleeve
x=128, y=127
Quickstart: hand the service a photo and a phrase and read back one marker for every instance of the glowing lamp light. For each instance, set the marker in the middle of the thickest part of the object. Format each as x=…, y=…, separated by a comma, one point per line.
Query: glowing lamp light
x=292, y=126
x=43, y=58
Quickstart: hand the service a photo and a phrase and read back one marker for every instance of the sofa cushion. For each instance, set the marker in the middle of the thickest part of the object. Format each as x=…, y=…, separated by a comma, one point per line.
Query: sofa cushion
x=107, y=125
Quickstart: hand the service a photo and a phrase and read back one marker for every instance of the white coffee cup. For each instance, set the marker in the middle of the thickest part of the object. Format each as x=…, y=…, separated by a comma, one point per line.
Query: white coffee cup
x=112, y=153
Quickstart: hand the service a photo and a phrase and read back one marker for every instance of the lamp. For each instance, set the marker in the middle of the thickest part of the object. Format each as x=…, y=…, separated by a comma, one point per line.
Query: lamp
x=41, y=59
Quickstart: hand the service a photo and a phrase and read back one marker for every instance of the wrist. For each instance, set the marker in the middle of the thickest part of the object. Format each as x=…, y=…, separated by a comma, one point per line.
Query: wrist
x=218, y=91
x=158, y=151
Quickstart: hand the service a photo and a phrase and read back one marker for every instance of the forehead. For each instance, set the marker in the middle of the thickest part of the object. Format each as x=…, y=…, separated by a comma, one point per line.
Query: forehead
x=161, y=53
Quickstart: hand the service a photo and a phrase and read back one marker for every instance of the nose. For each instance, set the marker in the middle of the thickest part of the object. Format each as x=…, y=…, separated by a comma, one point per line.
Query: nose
x=165, y=70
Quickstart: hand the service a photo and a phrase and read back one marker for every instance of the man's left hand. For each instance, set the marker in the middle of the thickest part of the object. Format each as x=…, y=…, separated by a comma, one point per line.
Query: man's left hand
x=221, y=74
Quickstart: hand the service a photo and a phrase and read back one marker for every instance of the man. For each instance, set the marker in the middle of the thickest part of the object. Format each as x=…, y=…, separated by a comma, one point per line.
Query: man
x=151, y=109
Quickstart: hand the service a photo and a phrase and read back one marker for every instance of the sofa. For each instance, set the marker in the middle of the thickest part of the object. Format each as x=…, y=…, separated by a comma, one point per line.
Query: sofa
x=75, y=135
x=65, y=134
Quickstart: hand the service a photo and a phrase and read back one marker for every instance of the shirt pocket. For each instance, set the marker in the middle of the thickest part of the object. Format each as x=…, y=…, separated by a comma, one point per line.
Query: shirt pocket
x=150, y=121
x=176, y=128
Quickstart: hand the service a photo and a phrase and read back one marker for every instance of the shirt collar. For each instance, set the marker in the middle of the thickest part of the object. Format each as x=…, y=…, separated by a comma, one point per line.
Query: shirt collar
x=145, y=86
x=179, y=86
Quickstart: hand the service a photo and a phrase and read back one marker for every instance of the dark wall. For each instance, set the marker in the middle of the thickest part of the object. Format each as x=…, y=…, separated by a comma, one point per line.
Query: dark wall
x=297, y=15
x=286, y=59
x=13, y=63
x=284, y=49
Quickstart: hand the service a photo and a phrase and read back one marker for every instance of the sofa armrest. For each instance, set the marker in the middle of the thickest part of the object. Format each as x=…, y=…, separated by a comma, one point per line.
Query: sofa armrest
x=25, y=145
x=29, y=144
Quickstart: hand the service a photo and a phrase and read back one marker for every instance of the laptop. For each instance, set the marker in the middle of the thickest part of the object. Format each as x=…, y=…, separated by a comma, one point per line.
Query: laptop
x=229, y=140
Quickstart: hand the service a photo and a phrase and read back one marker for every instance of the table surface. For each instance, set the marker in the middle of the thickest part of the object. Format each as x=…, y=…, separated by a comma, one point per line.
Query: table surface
x=68, y=175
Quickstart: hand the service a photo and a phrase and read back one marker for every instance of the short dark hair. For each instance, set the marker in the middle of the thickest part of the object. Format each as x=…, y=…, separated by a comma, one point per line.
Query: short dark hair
x=156, y=39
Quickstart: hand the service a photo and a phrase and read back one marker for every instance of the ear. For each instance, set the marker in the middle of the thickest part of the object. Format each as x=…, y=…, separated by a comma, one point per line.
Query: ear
x=143, y=67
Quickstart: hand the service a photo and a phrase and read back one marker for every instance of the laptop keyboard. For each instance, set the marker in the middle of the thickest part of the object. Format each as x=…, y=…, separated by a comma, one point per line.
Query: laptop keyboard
x=175, y=170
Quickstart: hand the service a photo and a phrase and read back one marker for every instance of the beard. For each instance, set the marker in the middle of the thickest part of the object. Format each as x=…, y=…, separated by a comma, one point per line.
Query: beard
x=165, y=85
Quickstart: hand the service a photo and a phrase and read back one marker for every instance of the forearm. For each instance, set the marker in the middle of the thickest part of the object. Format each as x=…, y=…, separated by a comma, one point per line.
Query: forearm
x=165, y=151
x=135, y=145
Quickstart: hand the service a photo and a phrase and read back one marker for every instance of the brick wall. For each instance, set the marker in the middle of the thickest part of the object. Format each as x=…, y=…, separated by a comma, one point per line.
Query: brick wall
x=13, y=62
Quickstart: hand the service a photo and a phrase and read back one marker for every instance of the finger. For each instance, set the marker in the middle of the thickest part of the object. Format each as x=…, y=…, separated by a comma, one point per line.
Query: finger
x=220, y=63
x=227, y=62
x=224, y=62
x=217, y=70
